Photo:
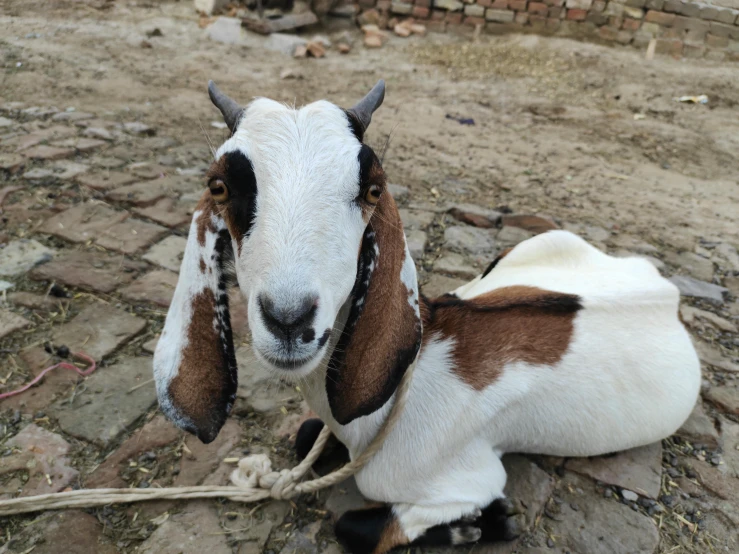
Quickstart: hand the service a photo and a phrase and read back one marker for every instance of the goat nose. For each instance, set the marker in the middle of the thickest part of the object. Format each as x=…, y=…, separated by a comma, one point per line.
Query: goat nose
x=289, y=322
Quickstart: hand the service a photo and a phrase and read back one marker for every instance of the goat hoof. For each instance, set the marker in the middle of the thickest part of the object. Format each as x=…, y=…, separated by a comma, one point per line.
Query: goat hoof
x=501, y=522
x=465, y=535
x=306, y=437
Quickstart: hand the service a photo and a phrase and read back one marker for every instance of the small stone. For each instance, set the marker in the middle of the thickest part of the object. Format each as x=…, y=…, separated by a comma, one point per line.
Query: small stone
x=138, y=128
x=72, y=116
x=156, y=287
x=98, y=330
x=154, y=434
x=105, y=181
x=87, y=270
x=5, y=122
x=10, y=322
x=83, y=222
x=691, y=316
x=39, y=174
x=724, y=397
x=456, y=265
x=511, y=236
x=638, y=469
x=110, y=403
x=148, y=192
x=167, y=253
x=475, y=215
x=416, y=241
x=44, y=152
x=470, y=239
x=45, y=454
x=22, y=255
x=712, y=356
x=532, y=223
x=171, y=212
x=415, y=219
x=438, y=285
x=699, y=428
x=98, y=133
x=34, y=301
x=130, y=236
x=12, y=163
x=398, y=192
x=699, y=289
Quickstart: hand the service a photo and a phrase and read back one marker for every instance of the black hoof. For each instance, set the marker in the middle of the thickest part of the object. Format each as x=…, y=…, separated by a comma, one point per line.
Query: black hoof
x=498, y=522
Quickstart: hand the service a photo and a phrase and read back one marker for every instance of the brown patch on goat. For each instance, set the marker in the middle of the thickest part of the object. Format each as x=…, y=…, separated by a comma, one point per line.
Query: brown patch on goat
x=391, y=537
x=203, y=267
x=387, y=333
x=510, y=324
x=207, y=208
x=203, y=375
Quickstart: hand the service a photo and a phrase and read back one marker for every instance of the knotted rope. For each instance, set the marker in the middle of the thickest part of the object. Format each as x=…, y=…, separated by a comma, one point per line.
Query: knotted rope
x=252, y=481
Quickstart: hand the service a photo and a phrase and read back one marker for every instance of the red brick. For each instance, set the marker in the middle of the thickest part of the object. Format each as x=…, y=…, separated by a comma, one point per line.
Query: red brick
x=517, y=5
x=522, y=18
x=423, y=3
x=538, y=7
x=436, y=26
x=438, y=15
x=455, y=18
x=608, y=33
x=555, y=12
x=577, y=15
x=420, y=12
x=631, y=24
x=383, y=5
x=474, y=21
x=673, y=47
x=615, y=21
x=486, y=3
x=499, y=4
x=717, y=42
x=537, y=21
x=661, y=18
x=557, y=3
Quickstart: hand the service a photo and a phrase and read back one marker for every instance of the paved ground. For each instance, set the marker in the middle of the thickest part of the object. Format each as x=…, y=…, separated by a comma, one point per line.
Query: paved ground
x=104, y=136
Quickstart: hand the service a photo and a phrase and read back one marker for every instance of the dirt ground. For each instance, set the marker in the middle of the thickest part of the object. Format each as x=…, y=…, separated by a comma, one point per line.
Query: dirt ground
x=591, y=136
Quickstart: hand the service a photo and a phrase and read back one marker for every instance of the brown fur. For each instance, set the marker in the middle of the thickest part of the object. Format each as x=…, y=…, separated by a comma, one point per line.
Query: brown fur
x=207, y=207
x=200, y=381
x=386, y=328
x=392, y=536
x=517, y=323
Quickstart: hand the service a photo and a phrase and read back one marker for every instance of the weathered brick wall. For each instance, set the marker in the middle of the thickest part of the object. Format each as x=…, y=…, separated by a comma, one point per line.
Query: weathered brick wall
x=680, y=28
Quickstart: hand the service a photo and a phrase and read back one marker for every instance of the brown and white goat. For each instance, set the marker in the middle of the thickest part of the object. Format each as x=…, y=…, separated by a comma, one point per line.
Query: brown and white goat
x=558, y=349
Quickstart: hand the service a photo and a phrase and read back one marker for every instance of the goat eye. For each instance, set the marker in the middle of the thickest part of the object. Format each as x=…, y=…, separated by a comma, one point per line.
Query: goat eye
x=372, y=196
x=218, y=190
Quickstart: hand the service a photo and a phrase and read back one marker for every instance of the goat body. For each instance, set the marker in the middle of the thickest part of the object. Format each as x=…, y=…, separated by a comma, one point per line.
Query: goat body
x=556, y=349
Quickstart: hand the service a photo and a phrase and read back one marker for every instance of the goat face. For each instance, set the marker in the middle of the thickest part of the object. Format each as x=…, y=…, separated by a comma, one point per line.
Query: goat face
x=290, y=186
x=298, y=203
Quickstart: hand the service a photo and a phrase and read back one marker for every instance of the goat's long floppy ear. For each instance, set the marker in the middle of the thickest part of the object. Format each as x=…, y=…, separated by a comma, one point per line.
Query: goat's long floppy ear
x=230, y=109
x=383, y=331
x=194, y=363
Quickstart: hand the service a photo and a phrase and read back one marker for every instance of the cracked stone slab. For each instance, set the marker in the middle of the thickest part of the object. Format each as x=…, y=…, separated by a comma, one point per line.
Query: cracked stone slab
x=112, y=399
x=470, y=240
x=146, y=193
x=131, y=235
x=599, y=525
x=455, y=265
x=167, y=253
x=415, y=219
x=41, y=453
x=10, y=322
x=194, y=529
x=105, y=181
x=699, y=428
x=156, y=287
x=638, y=470
x=88, y=270
x=416, y=240
x=171, y=212
x=699, y=289
x=21, y=255
x=438, y=285
x=45, y=152
x=83, y=222
x=98, y=330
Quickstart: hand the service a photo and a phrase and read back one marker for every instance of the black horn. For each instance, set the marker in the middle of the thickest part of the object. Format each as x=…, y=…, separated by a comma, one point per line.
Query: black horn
x=231, y=110
x=364, y=109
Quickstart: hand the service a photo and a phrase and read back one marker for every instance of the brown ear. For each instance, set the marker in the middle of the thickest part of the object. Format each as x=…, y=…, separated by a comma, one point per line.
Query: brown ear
x=383, y=331
x=194, y=363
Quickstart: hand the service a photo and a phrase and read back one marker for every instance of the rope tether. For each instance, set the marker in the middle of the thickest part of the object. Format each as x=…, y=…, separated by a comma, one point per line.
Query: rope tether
x=253, y=480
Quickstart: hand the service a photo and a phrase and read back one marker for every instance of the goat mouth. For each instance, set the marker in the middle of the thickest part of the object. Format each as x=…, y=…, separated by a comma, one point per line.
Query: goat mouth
x=288, y=364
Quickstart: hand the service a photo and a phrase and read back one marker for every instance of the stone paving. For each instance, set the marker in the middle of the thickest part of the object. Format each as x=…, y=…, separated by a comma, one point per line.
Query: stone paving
x=89, y=250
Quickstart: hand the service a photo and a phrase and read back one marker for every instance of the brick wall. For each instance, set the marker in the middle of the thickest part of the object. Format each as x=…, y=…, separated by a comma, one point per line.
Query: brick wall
x=681, y=28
